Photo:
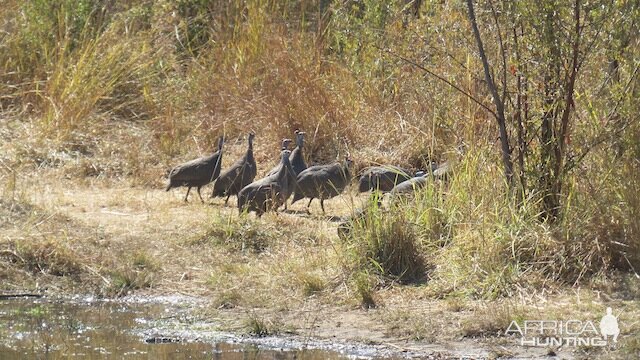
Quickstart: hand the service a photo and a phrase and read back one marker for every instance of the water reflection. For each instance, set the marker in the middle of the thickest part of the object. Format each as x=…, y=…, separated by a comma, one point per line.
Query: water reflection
x=44, y=329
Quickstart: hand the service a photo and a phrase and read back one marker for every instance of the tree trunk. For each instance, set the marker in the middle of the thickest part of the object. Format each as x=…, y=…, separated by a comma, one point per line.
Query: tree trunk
x=554, y=130
x=498, y=102
x=520, y=115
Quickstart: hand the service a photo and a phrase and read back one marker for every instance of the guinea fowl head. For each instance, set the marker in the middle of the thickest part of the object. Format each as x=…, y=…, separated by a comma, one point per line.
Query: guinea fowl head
x=348, y=162
x=285, y=156
x=285, y=143
x=299, y=138
x=434, y=165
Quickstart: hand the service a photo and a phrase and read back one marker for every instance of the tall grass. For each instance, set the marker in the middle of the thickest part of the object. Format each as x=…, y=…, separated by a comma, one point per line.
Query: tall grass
x=465, y=236
x=97, y=81
x=498, y=244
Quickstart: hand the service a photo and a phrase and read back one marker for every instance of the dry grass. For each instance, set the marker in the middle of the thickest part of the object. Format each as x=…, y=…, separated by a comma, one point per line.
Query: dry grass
x=41, y=249
x=494, y=318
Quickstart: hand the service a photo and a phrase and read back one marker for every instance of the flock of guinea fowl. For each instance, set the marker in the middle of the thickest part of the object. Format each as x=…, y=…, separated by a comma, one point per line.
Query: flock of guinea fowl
x=290, y=176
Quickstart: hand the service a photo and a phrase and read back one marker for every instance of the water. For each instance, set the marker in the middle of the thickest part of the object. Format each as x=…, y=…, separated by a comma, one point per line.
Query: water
x=49, y=329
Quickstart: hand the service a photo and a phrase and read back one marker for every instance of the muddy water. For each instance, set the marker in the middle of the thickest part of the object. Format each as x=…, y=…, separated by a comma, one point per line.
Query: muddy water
x=50, y=329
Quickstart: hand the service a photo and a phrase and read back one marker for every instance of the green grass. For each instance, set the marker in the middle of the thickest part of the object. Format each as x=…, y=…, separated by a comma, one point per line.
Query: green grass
x=38, y=311
x=310, y=284
x=240, y=234
x=142, y=261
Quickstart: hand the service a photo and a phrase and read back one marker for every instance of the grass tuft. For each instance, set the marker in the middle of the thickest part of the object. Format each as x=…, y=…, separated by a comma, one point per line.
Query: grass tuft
x=228, y=299
x=365, y=290
x=259, y=326
x=241, y=234
x=142, y=261
x=310, y=284
x=493, y=319
x=405, y=324
x=387, y=242
x=48, y=256
x=124, y=281
x=138, y=272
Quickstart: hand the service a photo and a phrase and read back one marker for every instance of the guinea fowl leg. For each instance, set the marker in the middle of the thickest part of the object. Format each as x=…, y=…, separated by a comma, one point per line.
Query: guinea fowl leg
x=226, y=201
x=308, y=205
x=201, y=199
x=187, y=196
x=322, y=206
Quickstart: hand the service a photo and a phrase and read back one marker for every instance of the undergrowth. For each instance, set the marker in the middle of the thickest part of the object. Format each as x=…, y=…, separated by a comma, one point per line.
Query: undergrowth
x=480, y=244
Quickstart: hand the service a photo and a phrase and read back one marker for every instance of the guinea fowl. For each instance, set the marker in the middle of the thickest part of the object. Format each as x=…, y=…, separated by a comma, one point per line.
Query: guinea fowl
x=297, y=160
x=197, y=173
x=239, y=175
x=285, y=146
x=411, y=185
x=270, y=192
x=382, y=178
x=323, y=182
x=297, y=156
x=421, y=179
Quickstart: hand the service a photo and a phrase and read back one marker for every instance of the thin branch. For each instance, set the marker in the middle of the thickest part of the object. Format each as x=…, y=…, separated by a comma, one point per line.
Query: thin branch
x=590, y=47
x=457, y=88
x=442, y=51
x=564, y=124
x=502, y=51
x=604, y=137
x=498, y=102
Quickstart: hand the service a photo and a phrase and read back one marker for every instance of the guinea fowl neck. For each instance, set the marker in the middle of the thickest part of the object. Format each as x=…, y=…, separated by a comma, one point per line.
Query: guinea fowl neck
x=284, y=165
x=248, y=156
